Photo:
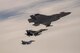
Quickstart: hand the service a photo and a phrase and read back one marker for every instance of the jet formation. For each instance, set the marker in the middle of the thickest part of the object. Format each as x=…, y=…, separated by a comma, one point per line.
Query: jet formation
x=46, y=20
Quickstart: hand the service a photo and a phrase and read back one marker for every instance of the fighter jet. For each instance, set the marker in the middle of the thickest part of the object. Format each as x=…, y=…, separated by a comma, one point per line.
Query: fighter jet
x=34, y=33
x=38, y=19
x=27, y=42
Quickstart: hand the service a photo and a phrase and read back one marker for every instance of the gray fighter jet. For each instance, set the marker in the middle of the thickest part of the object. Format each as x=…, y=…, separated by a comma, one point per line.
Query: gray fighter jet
x=34, y=33
x=27, y=42
x=38, y=19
